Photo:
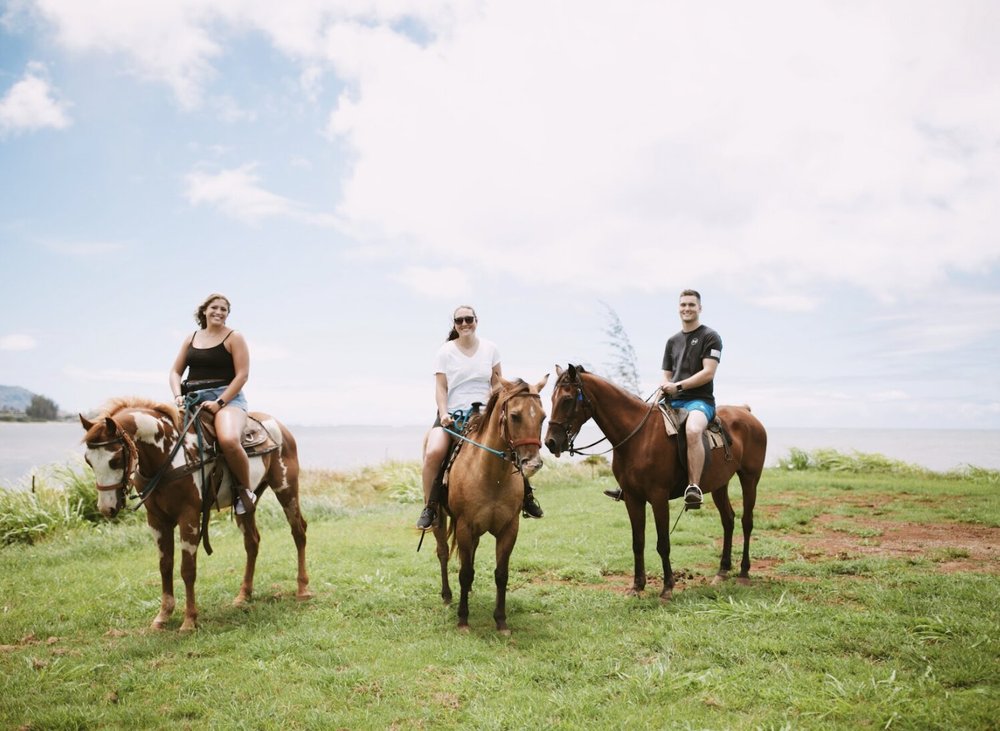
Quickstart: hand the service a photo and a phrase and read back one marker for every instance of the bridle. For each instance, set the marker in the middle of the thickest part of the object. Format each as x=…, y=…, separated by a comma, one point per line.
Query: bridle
x=513, y=444
x=130, y=462
x=581, y=399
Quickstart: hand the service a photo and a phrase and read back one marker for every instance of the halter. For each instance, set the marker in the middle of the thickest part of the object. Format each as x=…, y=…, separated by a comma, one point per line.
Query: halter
x=582, y=399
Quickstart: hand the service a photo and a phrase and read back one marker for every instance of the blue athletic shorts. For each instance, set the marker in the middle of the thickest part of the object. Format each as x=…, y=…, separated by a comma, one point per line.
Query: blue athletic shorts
x=695, y=405
x=213, y=394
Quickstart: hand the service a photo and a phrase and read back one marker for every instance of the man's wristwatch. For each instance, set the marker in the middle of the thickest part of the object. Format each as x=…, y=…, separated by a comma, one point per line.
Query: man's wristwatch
x=680, y=387
x=221, y=403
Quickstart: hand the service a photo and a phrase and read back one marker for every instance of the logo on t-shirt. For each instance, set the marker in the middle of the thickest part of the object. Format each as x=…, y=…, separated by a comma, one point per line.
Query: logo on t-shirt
x=694, y=341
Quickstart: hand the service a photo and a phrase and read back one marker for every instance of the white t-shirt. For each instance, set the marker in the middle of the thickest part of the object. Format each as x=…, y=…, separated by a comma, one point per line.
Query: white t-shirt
x=468, y=376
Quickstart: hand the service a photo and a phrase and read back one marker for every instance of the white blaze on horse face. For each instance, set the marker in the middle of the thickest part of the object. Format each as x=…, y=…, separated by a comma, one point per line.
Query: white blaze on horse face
x=100, y=462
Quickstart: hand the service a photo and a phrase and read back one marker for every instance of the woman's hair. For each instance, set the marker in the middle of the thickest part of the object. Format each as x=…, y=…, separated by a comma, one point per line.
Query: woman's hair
x=199, y=314
x=453, y=333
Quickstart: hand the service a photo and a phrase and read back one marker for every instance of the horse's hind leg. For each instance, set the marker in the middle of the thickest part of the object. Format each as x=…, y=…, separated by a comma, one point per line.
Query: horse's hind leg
x=748, y=481
x=466, y=573
x=727, y=515
x=443, y=552
x=287, y=493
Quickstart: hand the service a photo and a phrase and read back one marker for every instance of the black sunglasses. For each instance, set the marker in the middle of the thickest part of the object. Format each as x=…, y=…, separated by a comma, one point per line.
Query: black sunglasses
x=467, y=319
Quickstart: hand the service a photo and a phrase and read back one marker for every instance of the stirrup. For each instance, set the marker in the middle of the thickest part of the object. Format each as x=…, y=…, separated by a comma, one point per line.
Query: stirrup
x=615, y=494
x=693, y=497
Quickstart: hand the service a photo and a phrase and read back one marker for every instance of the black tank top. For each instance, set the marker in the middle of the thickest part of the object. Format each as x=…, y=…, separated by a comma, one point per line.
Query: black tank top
x=214, y=363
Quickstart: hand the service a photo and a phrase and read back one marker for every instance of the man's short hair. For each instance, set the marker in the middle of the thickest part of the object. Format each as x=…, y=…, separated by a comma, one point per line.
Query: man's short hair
x=691, y=293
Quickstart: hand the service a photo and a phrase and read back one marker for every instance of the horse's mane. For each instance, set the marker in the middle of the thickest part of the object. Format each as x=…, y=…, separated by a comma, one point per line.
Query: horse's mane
x=476, y=424
x=565, y=378
x=116, y=405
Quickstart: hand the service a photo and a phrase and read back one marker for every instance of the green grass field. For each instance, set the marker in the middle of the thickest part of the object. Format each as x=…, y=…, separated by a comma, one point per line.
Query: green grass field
x=875, y=603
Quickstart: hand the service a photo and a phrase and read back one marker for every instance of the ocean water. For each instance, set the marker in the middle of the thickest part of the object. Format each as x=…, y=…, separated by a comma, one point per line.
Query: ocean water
x=25, y=447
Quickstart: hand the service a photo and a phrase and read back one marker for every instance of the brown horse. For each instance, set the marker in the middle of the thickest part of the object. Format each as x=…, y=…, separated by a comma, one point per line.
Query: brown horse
x=647, y=465
x=131, y=444
x=486, y=489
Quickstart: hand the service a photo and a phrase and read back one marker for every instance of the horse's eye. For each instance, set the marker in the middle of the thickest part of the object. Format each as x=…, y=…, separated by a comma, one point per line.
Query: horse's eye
x=515, y=417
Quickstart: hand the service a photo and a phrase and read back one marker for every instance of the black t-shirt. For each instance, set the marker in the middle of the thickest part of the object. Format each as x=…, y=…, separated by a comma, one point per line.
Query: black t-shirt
x=683, y=357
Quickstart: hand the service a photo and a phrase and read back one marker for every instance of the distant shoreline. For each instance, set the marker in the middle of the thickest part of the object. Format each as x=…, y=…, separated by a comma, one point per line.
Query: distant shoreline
x=25, y=446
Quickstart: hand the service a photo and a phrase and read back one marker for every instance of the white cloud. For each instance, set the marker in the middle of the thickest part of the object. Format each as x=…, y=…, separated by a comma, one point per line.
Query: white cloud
x=237, y=193
x=30, y=105
x=16, y=341
x=115, y=375
x=445, y=283
x=774, y=150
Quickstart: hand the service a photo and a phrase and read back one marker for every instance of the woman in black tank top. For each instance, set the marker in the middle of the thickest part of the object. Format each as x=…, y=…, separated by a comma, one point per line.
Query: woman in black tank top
x=218, y=358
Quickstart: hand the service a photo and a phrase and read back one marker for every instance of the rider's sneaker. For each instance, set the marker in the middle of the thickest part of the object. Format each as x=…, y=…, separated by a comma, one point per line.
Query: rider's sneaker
x=615, y=494
x=240, y=507
x=427, y=518
x=692, y=497
x=531, y=508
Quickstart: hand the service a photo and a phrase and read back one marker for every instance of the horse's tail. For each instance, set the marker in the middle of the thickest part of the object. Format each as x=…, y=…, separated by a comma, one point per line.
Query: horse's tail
x=451, y=535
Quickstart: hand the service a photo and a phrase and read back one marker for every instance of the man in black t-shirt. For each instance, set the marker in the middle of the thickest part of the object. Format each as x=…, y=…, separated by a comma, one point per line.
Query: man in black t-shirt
x=690, y=360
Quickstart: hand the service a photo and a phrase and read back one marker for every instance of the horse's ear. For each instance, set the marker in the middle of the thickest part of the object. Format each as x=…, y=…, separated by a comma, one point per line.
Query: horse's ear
x=559, y=372
x=541, y=384
x=111, y=425
x=502, y=383
x=87, y=424
x=572, y=370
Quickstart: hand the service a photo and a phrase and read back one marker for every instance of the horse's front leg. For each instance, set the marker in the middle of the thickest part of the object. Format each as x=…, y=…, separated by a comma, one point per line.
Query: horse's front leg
x=441, y=538
x=466, y=572
x=190, y=533
x=505, y=546
x=637, y=517
x=163, y=534
x=251, y=544
x=661, y=518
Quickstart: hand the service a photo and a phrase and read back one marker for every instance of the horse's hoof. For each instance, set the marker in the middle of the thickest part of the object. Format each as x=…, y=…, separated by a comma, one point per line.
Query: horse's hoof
x=743, y=580
x=188, y=627
x=666, y=595
x=464, y=629
x=505, y=631
x=634, y=592
x=719, y=578
x=158, y=625
x=241, y=600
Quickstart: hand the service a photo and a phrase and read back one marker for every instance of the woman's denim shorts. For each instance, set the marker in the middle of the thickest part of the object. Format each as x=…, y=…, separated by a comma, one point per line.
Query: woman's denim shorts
x=213, y=394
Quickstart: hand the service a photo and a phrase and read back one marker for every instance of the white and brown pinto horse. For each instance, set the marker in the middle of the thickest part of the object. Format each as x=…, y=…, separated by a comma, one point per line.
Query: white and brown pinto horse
x=130, y=443
x=486, y=489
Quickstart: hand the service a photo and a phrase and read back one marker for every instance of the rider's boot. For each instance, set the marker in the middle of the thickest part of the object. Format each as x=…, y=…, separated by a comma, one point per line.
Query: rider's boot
x=428, y=516
x=245, y=497
x=614, y=494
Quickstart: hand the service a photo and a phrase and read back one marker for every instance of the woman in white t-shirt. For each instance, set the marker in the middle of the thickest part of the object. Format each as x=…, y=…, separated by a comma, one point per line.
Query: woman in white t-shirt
x=466, y=368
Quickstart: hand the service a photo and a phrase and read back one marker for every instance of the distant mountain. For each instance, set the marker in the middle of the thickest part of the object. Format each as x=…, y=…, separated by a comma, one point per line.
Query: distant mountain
x=14, y=398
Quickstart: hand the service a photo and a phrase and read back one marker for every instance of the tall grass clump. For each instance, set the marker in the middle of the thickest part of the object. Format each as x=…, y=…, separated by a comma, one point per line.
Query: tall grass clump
x=831, y=460
x=61, y=497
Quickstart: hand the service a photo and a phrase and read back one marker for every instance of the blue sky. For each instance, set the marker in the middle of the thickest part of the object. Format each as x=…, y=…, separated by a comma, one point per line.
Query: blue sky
x=827, y=174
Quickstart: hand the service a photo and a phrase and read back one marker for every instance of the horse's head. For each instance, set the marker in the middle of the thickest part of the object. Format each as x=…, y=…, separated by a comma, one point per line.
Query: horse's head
x=570, y=410
x=521, y=420
x=111, y=454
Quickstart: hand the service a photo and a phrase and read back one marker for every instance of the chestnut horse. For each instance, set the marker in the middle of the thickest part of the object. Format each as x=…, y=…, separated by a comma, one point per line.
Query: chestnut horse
x=486, y=489
x=131, y=443
x=647, y=465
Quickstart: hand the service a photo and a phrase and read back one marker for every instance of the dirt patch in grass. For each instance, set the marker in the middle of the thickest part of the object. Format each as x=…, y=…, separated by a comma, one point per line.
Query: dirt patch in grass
x=951, y=546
